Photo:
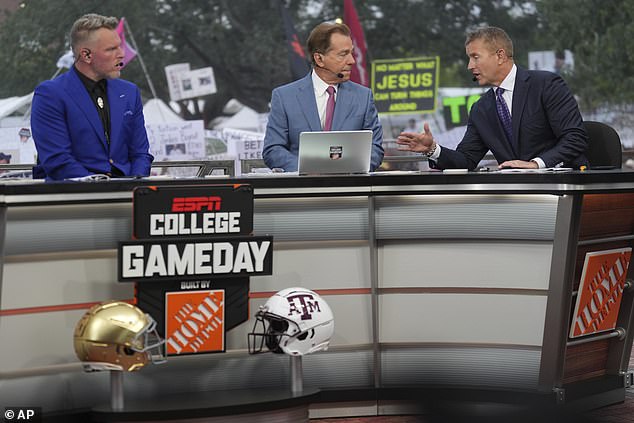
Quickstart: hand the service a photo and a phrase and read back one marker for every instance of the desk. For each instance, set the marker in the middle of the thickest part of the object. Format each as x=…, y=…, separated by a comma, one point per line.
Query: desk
x=434, y=280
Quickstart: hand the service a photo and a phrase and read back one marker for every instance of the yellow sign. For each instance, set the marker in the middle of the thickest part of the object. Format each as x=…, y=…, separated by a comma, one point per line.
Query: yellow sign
x=405, y=85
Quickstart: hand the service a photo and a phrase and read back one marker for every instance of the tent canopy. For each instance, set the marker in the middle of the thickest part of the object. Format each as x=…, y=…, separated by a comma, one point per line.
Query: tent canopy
x=246, y=119
x=156, y=111
x=11, y=105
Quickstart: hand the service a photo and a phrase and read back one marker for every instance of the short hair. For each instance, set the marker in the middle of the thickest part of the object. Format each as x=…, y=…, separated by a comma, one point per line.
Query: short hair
x=319, y=38
x=84, y=27
x=495, y=37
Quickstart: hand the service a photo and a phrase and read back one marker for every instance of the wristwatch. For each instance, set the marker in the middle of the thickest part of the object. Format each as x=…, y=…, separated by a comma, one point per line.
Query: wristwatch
x=432, y=151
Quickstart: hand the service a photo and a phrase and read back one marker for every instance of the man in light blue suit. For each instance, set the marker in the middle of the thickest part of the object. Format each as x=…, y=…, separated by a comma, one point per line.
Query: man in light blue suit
x=301, y=105
x=87, y=121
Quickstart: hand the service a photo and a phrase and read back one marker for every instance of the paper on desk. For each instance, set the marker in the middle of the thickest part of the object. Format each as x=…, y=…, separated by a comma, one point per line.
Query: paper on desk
x=90, y=178
x=395, y=172
x=270, y=174
x=543, y=170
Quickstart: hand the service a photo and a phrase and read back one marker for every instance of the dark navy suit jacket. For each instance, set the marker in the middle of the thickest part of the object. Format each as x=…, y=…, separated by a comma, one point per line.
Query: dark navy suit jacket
x=294, y=110
x=69, y=135
x=546, y=124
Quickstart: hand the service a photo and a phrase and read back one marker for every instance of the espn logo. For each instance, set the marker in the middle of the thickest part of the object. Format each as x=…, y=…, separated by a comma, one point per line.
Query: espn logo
x=196, y=204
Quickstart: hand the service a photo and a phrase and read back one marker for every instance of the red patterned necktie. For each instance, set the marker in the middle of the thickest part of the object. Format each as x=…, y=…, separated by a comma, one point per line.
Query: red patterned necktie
x=330, y=108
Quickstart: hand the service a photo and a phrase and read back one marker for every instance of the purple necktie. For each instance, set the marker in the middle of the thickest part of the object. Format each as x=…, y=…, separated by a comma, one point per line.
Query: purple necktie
x=330, y=108
x=504, y=115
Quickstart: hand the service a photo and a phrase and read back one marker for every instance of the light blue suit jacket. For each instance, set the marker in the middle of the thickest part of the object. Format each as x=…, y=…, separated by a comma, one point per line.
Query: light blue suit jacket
x=69, y=135
x=294, y=110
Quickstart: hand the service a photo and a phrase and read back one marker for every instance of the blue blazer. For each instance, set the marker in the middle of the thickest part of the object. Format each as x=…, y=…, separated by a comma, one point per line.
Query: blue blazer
x=294, y=110
x=546, y=124
x=69, y=135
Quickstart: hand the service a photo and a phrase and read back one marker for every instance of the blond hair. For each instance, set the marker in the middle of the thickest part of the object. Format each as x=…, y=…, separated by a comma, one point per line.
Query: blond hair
x=84, y=27
x=494, y=37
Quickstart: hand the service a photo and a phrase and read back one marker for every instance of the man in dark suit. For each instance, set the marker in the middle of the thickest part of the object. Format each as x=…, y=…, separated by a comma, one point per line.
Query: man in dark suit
x=529, y=119
x=302, y=105
x=87, y=121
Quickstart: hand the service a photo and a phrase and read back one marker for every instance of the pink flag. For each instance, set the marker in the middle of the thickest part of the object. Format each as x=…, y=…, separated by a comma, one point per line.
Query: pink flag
x=359, y=72
x=128, y=51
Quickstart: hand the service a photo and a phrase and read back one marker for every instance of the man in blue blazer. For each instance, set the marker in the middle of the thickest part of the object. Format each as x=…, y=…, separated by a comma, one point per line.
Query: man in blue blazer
x=87, y=121
x=529, y=119
x=301, y=105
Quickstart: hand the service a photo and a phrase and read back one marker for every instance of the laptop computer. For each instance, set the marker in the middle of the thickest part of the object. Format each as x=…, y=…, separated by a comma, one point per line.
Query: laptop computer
x=330, y=152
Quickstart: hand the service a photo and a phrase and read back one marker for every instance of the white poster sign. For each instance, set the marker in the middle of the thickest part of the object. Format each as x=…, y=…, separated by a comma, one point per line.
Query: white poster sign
x=197, y=83
x=17, y=146
x=177, y=140
x=184, y=83
x=549, y=60
x=244, y=145
x=173, y=74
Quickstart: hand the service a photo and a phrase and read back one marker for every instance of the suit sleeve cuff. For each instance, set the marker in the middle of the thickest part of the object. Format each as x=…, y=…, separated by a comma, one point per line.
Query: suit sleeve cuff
x=540, y=162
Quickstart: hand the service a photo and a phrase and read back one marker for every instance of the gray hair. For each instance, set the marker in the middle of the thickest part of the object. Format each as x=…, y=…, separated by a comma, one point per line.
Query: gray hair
x=494, y=37
x=84, y=27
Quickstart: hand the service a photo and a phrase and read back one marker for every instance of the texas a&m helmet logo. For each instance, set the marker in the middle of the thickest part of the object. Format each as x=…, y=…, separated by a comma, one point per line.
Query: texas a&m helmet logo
x=302, y=305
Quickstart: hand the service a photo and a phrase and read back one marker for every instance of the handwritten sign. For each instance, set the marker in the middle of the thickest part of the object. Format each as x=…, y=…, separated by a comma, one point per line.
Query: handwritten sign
x=177, y=140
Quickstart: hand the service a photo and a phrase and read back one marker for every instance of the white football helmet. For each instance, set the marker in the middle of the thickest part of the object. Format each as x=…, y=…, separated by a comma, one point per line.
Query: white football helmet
x=119, y=334
x=294, y=321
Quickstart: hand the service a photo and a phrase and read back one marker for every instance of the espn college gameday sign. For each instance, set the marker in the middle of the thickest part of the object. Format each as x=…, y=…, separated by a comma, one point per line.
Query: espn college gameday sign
x=600, y=291
x=191, y=255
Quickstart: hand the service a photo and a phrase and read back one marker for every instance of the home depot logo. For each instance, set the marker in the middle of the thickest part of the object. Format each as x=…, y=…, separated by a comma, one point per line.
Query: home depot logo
x=600, y=291
x=195, y=321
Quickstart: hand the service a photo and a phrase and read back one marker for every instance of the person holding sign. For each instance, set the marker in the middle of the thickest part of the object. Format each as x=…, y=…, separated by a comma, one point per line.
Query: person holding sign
x=324, y=100
x=528, y=119
x=86, y=121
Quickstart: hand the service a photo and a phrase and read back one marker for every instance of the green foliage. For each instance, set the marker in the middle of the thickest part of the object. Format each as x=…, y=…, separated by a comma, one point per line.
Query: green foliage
x=599, y=33
x=243, y=40
x=438, y=28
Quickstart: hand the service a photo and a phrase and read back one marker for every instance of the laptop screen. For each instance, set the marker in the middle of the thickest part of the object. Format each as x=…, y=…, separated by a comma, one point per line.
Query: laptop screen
x=335, y=152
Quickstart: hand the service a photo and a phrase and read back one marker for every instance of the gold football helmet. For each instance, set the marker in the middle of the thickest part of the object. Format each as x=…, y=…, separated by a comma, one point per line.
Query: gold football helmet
x=120, y=334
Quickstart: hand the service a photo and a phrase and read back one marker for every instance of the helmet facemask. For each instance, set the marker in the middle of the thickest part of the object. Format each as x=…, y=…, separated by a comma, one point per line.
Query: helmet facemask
x=150, y=342
x=271, y=331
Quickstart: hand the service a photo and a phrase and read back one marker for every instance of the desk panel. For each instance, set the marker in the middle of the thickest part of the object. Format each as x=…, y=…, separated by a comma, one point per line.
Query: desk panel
x=462, y=318
x=464, y=264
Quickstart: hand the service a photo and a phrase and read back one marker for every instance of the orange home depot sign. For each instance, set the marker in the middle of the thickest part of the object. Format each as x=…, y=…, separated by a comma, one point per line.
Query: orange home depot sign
x=194, y=321
x=600, y=291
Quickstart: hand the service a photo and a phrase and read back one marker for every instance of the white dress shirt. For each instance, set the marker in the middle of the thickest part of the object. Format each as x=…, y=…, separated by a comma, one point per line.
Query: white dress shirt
x=320, y=87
